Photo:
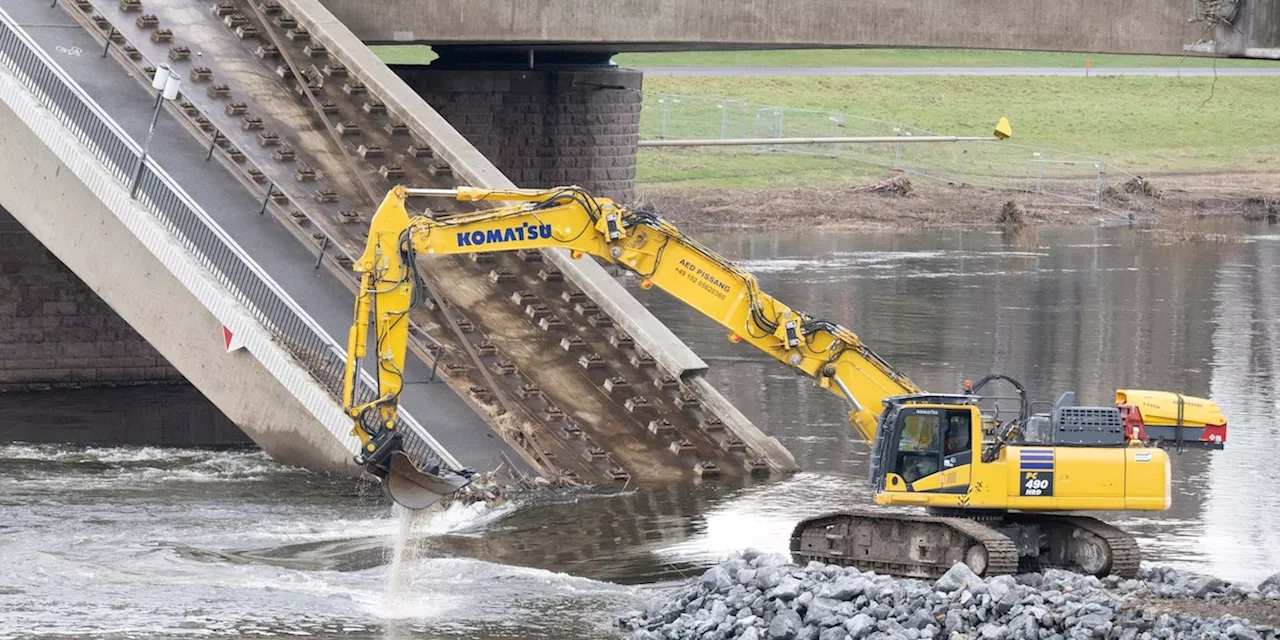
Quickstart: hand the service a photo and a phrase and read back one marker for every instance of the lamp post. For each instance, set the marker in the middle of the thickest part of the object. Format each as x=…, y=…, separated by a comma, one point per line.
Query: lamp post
x=166, y=84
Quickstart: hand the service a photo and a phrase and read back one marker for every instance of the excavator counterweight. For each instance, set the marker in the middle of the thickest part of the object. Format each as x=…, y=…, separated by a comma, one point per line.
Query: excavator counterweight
x=995, y=487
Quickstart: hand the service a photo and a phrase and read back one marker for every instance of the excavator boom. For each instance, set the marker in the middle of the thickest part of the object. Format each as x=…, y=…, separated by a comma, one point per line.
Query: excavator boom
x=656, y=252
x=387, y=294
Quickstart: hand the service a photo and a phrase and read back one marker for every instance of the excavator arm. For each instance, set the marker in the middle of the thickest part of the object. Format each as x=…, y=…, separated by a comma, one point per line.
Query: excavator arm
x=652, y=249
x=659, y=255
x=388, y=291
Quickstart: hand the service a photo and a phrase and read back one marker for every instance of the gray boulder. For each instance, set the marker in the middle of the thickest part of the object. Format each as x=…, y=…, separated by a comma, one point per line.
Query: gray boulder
x=719, y=611
x=716, y=579
x=785, y=625
x=1238, y=631
x=787, y=589
x=994, y=632
x=957, y=576
x=769, y=577
x=999, y=586
x=920, y=619
x=846, y=588
x=834, y=633
x=1202, y=587
x=822, y=611
x=1270, y=585
x=1005, y=604
x=860, y=626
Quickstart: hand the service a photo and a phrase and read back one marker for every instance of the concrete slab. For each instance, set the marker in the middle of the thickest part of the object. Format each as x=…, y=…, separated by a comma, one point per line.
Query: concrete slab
x=449, y=419
x=1113, y=26
x=56, y=204
x=650, y=334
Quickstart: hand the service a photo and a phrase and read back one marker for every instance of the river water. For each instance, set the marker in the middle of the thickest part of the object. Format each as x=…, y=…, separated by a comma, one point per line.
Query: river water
x=143, y=542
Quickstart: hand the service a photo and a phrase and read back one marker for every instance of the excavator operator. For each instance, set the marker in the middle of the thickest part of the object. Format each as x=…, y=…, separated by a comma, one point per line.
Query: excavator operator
x=958, y=436
x=918, y=446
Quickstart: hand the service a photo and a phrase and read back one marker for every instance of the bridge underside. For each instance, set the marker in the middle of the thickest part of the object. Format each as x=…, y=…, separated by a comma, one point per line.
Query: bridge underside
x=513, y=27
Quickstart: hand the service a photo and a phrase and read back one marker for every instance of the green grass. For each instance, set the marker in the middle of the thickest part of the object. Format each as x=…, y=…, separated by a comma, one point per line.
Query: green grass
x=1140, y=124
x=403, y=53
x=738, y=168
x=915, y=58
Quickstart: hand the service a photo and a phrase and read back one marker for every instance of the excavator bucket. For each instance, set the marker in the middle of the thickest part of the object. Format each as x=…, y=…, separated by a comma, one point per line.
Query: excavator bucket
x=413, y=488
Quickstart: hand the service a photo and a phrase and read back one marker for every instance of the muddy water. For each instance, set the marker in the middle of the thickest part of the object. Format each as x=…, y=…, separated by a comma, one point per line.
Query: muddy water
x=129, y=542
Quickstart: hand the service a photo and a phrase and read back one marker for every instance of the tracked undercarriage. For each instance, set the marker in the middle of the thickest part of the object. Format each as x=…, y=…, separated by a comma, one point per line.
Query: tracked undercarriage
x=926, y=546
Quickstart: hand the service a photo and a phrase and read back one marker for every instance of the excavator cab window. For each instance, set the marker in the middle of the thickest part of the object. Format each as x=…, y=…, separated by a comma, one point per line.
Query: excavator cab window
x=957, y=445
x=931, y=440
x=919, y=443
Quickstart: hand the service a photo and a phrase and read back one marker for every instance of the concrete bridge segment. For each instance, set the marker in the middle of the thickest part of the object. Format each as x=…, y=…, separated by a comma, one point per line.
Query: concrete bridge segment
x=474, y=168
x=128, y=102
x=468, y=32
x=303, y=426
x=118, y=252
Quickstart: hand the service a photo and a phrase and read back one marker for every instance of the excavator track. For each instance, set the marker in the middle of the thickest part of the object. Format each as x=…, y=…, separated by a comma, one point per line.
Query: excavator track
x=1125, y=554
x=900, y=544
x=1074, y=545
x=914, y=546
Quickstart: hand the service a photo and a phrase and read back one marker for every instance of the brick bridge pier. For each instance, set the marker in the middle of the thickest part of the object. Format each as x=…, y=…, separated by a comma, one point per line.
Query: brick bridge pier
x=561, y=122
x=73, y=366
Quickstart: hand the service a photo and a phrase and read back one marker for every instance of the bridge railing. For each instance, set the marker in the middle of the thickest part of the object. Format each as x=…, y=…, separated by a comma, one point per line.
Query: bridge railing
x=188, y=223
x=1058, y=176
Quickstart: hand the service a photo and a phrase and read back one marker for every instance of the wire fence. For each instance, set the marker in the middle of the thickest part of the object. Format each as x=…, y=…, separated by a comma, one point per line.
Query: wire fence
x=1058, y=176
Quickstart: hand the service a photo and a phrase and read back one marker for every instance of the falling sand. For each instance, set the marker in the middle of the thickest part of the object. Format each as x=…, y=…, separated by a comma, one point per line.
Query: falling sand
x=402, y=555
x=409, y=546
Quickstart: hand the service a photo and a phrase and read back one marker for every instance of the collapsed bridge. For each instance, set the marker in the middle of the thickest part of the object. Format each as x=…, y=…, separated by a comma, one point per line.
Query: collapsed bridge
x=256, y=196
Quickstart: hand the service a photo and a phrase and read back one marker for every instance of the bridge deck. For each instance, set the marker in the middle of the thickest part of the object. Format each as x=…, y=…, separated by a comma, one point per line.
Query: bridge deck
x=458, y=428
x=484, y=329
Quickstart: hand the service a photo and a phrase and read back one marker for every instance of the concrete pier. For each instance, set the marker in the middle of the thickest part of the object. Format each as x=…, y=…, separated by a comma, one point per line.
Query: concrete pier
x=57, y=332
x=71, y=365
x=543, y=128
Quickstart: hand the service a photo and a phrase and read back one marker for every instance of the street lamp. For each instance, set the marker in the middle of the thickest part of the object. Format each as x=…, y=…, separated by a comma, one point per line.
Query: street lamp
x=166, y=84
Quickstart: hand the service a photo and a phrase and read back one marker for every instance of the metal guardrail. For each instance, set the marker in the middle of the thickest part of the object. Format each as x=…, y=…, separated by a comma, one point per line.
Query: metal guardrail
x=314, y=349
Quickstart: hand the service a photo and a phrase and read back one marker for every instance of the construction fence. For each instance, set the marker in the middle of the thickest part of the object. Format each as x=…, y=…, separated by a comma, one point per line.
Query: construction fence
x=1050, y=176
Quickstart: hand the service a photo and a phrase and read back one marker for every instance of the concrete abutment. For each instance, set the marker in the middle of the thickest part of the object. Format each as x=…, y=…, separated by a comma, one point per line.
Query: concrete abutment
x=543, y=127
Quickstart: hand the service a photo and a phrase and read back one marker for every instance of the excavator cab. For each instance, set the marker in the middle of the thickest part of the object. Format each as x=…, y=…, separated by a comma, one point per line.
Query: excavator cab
x=925, y=443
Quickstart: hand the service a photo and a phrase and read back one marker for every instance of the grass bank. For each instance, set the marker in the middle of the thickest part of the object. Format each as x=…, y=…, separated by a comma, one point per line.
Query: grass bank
x=1217, y=137
x=1145, y=125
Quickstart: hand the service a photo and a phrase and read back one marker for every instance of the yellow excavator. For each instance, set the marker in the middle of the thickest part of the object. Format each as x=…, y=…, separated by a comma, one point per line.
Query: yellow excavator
x=998, y=488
